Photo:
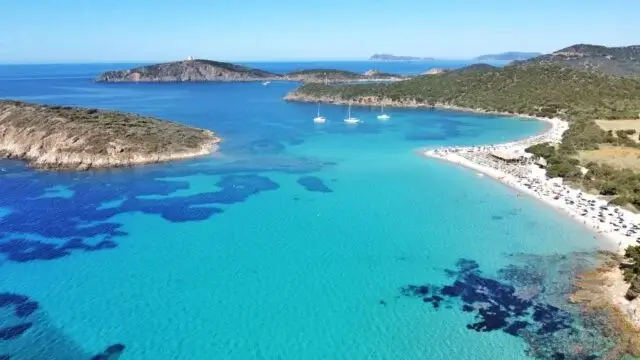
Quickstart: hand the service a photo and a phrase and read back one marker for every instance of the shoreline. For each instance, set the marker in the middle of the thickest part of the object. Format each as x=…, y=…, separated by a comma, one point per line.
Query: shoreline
x=373, y=101
x=608, y=222
x=532, y=181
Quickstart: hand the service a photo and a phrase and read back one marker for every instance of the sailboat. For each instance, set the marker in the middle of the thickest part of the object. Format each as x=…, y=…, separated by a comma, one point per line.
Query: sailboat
x=382, y=115
x=266, y=83
x=351, y=120
x=319, y=119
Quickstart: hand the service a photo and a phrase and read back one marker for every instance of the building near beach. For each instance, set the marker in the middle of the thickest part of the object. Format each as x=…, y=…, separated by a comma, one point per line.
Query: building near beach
x=511, y=155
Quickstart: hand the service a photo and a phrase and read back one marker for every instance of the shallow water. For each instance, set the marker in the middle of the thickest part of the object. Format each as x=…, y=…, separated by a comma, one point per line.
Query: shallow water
x=293, y=242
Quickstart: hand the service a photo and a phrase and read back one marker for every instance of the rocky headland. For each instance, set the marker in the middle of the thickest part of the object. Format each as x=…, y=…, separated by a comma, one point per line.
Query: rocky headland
x=72, y=138
x=197, y=70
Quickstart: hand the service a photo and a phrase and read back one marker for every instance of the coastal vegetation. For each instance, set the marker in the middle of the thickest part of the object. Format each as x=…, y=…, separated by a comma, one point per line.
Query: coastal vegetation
x=64, y=137
x=539, y=90
x=534, y=90
x=617, y=61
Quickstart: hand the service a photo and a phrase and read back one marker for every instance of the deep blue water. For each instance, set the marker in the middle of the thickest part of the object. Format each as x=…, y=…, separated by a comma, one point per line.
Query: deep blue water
x=294, y=241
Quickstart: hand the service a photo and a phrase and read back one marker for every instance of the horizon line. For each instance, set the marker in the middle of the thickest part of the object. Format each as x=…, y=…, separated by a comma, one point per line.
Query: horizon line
x=89, y=62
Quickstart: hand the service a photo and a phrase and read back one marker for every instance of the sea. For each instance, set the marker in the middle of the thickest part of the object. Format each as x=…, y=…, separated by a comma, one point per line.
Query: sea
x=294, y=241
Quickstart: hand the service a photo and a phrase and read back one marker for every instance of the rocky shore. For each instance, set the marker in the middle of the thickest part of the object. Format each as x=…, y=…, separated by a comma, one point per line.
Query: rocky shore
x=72, y=138
x=599, y=293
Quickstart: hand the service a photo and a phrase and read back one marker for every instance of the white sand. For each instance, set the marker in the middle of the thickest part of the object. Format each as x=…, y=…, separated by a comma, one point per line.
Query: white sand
x=613, y=223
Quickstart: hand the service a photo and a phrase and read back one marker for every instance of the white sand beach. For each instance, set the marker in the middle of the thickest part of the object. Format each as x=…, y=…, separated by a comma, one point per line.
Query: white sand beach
x=618, y=225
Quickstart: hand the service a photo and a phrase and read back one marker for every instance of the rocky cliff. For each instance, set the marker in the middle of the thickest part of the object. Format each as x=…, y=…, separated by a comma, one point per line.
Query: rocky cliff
x=62, y=137
x=188, y=71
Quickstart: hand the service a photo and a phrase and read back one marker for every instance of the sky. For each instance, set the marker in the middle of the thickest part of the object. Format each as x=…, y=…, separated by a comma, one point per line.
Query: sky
x=53, y=31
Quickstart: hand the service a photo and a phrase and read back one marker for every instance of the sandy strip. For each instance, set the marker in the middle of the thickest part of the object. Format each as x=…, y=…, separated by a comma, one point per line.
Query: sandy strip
x=549, y=191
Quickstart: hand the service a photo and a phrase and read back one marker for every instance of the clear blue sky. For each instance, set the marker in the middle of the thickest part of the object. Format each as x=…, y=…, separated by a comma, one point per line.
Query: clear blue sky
x=237, y=30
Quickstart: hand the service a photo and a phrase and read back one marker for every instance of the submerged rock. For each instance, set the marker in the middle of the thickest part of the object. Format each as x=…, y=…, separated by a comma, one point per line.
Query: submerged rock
x=528, y=300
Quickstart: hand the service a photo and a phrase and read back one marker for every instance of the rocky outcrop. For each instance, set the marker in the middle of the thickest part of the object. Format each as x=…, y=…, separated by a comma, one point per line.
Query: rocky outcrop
x=188, y=71
x=634, y=289
x=62, y=137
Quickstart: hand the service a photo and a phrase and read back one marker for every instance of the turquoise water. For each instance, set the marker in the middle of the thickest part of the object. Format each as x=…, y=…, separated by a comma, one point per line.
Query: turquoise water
x=293, y=242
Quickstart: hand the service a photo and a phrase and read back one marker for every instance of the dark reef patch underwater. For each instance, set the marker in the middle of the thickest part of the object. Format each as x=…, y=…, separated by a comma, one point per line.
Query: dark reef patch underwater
x=27, y=333
x=527, y=299
x=40, y=224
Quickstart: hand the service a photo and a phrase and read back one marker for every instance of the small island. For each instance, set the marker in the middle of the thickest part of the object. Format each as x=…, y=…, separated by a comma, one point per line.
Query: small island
x=508, y=56
x=389, y=57
x=197, y=70
x=73, y=138
x=340, y=76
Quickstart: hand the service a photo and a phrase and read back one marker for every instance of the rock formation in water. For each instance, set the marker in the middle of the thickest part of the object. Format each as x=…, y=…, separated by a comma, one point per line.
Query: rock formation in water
x=63, y=137
x=188, y=71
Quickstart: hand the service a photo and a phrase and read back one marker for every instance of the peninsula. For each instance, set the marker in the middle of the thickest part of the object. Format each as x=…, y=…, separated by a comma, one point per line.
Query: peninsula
x=63, y=137
x=341, y=76
x=197, y=70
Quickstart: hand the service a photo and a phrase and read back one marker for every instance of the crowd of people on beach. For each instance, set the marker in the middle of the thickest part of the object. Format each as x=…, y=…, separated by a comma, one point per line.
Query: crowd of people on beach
x=524, y=174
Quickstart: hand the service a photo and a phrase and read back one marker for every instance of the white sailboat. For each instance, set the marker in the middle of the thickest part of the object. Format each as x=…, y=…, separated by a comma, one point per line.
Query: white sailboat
x=266, y=83
x=319, y=119
x=351, y=120
x=382, y=115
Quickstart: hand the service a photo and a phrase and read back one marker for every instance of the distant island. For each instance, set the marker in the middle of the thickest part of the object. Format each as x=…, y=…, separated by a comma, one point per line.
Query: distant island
x=389, y=57
x=618, y=61
x=64, y=137
x=332, y=76
x=508, y=56
x=188, y=71
x=211, y=71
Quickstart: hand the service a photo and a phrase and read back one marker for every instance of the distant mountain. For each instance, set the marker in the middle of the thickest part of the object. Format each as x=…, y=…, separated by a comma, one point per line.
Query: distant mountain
x=618, y=61
x=389, y=57
x=188, y=70
x=509, y=56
